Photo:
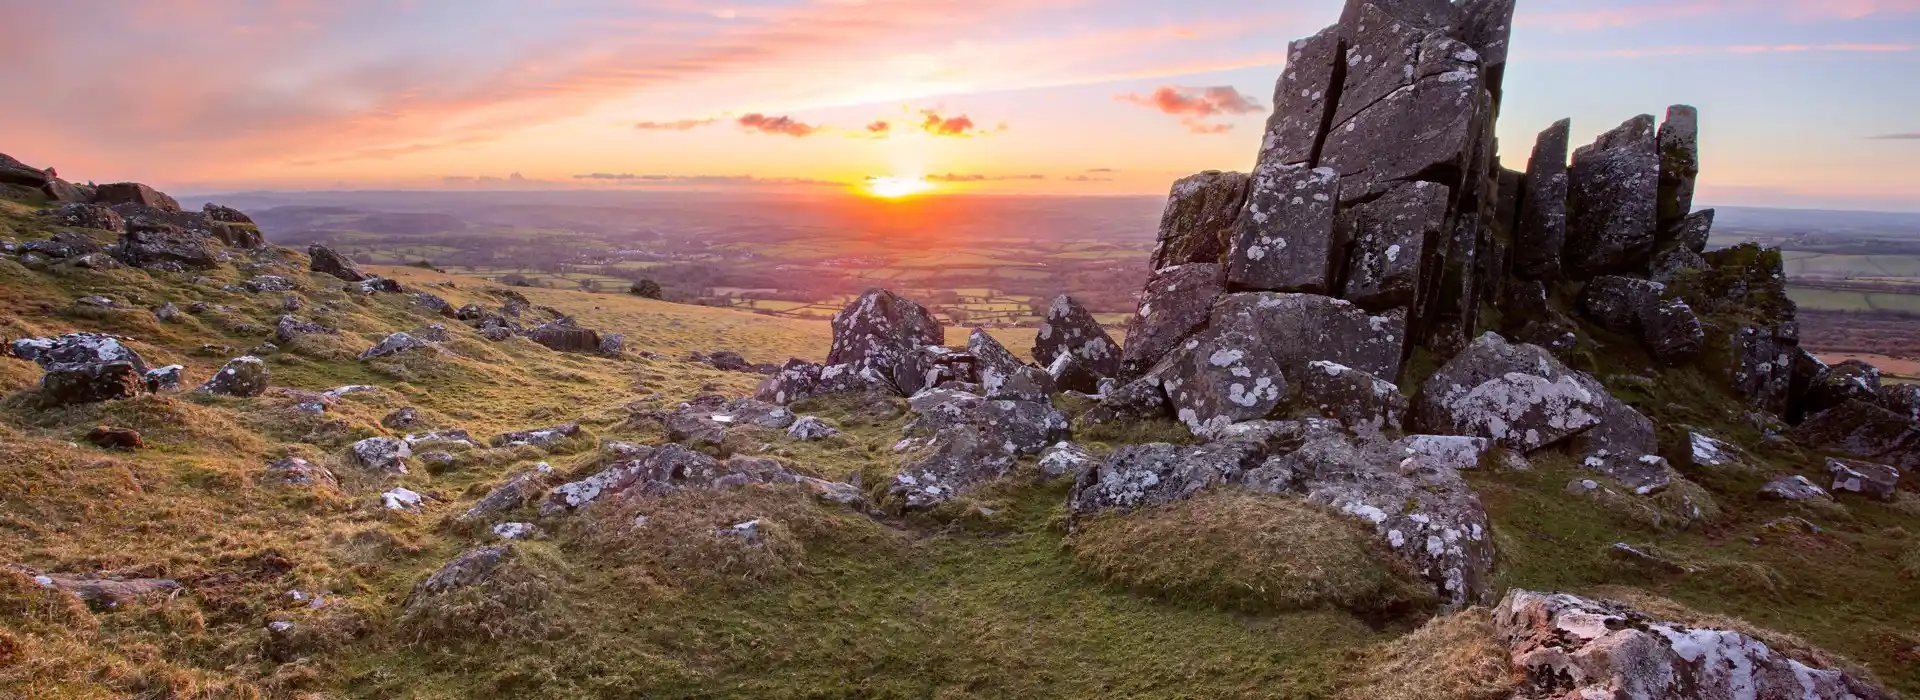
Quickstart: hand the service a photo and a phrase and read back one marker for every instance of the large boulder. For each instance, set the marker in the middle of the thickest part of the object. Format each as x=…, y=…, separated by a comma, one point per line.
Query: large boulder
x=1614, y=188
x=1174, y=306
x=324, y=260
x=1286, y=239
x=799, y=380
x=1296, y=329
x=241, y=376
x=880, y=332
x=76, y=348
x=1351, y=396
x=1864, y=431
x=134, y=193
x=1072, y=330
x=1852, y=380
x=1221, y=377
x=1573, y=647
x=1003, y=376
x=1692, y=231
x=1877, y=481
x=1390, y=238
x=14, y=172
x=1198, y=223
x=1137, y=476
x=158, y=246
x=1542, y=231
x=1679, y=139
x=1020, y=427
x=68, y=384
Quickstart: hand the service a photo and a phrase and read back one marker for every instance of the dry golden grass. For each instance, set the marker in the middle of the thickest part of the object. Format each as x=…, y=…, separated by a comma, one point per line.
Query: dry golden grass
x=1249, y=551
x=1452, y=657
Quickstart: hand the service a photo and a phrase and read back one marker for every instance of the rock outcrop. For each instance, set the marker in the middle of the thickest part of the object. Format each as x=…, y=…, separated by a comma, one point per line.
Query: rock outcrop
x=325, y=261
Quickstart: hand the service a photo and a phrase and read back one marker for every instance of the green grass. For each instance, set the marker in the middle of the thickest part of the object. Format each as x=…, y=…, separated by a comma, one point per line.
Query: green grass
x=1837, y=300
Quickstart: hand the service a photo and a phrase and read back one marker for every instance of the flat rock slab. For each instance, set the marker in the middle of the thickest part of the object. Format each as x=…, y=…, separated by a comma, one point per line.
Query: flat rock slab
x=1286, y=239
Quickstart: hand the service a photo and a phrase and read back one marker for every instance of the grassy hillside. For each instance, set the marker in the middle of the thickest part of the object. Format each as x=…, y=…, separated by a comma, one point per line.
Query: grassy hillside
x=990, y=598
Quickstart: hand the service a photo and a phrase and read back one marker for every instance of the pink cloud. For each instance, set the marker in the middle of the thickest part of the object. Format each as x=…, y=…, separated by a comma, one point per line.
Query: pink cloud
x=786, y=126
x=1195, y=105
x=677, y=125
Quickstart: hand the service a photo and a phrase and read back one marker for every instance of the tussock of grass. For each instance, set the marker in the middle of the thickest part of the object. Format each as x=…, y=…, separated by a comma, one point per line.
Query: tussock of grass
x=1452, y=657
x=1248, y=551
x=509, y=604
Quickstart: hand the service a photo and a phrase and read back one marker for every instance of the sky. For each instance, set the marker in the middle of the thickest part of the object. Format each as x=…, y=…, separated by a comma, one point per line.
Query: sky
x=1803, y=103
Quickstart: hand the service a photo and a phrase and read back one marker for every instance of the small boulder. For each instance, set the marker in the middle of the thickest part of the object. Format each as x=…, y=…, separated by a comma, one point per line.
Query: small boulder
x=93, y=216
x=241, y=376
x=1794, y=488
x=960, y=459
x=165, y=379
x=1071, y=329
x=165, y=247
x=134, y=193
x=472, y=567
x=268, y=283
x=539, y=437
x=1877, y=481
x=1198, y=223
x=76, y=348
x=296, y=471
x=393, y=345
x=289, y=328
x=1351, y=396
x=1003, y=376
x=382, y=454
x=404, y=500
x=1137, y=476
x=116, y=438
x=1063, y=459
x=324, y=260
x=1222, y=377
x=69, y=384
x=563, y=335
x=879, y=332
x=810, y=428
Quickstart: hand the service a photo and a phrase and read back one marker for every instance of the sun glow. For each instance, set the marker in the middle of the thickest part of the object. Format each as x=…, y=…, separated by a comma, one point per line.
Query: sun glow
x=890, y=187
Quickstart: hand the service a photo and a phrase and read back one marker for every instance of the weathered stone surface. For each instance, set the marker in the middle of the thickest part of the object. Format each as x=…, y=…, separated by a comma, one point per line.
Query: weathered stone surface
x=1619, y=304
x=1794, y=488
x=164, y=247
x=1411, y=106
x=1671, y=264
x=706, y=419
x=165, y=379
x=215, y=212
x=64, y=245
x=1865, y=431
x=289, y=327
x=1614, y=187
x=473, y=567
x=93, y=216
x=1136, y=476
x=1865, y=478
x=1390, y=239
x=1759, y=362
x=1573, y=647
x=1486, y=25
x=1297, y=329
x=68, y=384
x=14, y=172
x=1693, y=231
x=393, y=345
x=1852, y=380
x=382, y=454
x=268, y=283
x=1903, y=399
x=522, y=489
x=960, y=458
x=1707, y=452
x=1286, y=239
x=1198, y=223
x=811, y=428
x=1020, y=427
x=563, y=335
x=243, y=236
x=1139, y=400
x=1351, y=396
x=1003, y=376
x=929, y=367
x=1071, y=373
x=1679, y=138
x=376, y=285
x=799, y=380
x=1672, y=332
x=241, y=376
x=1063, y=459
x=1456, y=452
x=324, y=260
x=1071, y=329
x=134, y=193
x=880, y=331
x=1221, y=377
x=1524, y=412
x=538, y=437
x=1174, y=305
x=76, y=348
x=107, y=592
x=612, y=344
x=1300, y=100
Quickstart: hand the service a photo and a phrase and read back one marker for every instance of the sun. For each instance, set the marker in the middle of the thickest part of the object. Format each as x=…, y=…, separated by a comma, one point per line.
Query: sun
x=890, y=187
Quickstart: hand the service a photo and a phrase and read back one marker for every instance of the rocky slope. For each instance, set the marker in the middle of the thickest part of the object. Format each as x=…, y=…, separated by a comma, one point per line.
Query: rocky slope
x=1393, y=421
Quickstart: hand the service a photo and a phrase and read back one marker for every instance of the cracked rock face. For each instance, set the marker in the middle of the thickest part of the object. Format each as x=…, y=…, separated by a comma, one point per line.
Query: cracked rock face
x=1136, y=476
x=1063, y=459
x=1072, y=330
x=1286, y=239
x=1864, y=431
x=879, y=332
x=1300, y=99
x=157, y=246
x=1391, y=237
x=1573, y=647
x=1413, y=104
x=1173, y=307
x=1003, y=376
x=1297, y=329
x=1351, y=396
x=1222, y=377
x=1197, y=225
x=1679, y=139
x=80, y=348
x=1614, y=189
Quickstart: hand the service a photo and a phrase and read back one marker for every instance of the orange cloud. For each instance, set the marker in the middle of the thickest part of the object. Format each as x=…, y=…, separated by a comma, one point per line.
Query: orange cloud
x=971, y=177
x=960, y=126
x=1195, y=105
x=777, y=125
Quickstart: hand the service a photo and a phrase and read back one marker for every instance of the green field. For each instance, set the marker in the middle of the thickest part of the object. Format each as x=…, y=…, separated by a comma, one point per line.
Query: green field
x=1838, y=300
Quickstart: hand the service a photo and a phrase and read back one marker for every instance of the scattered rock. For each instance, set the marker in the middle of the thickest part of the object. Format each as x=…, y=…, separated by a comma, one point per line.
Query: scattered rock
x=93, y=216
x=1865, y=478
x=1865, y=431
x=393, y=344
x=268, y=283
x=810, y=428
x=961, y=458
x=296, y=471
x=76, y=348
x=403, y=500
x=288, y=328
x=325, y=261
x=1063, y=459
x=564, y=335
x=515, y=531
x=102, y=591
x=1136, y=476
x=402, y=418
x=165, y=379
x=1072, y=330
x=382, y=454
x=69, y=384
x=241, y=376
x=472, y=567
x=165, y=247
x=517, y=491
x=1794, y=488
x=116, y=438
x=538, y=437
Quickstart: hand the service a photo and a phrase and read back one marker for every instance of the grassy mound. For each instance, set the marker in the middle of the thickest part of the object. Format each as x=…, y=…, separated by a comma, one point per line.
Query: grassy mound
x=1251, y=552
x=1452, y=657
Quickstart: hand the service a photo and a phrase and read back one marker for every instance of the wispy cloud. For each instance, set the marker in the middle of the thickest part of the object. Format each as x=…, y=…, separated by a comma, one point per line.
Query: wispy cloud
x=1085, y=178
x=1737, y=49
x=1897, y=137
x=642, y=179
x=1194, y=105
x=975, y=177
x=680, y=125
x=786, y=126
x=1597, y=16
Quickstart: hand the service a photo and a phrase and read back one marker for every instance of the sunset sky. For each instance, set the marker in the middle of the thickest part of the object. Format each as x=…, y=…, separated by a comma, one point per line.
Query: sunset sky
x=1805, y=103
